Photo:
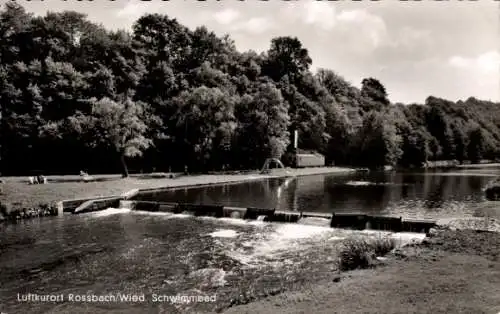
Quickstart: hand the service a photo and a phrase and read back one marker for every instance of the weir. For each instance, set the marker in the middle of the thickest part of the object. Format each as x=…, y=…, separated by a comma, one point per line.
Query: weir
x=357, y=221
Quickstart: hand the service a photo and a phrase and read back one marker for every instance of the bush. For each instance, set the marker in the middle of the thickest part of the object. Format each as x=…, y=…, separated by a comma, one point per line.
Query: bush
x=361, y=253
x=15, y=212
x=492, y=191
x=382, y=246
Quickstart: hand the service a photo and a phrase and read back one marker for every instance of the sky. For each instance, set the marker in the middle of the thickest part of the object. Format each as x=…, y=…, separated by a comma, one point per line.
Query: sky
x=448, y=49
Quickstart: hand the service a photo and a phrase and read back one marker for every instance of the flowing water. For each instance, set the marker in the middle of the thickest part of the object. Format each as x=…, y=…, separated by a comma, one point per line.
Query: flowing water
x=119, y=252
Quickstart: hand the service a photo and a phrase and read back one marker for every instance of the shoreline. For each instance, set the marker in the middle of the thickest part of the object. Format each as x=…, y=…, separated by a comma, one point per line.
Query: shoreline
x=20, y=198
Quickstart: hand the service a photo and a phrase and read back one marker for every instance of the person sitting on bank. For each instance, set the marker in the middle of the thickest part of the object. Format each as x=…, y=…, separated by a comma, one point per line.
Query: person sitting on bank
x=41, y=179
x=85, y=176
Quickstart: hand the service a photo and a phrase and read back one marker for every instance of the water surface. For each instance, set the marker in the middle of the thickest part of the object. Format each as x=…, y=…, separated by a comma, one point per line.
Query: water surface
x=149, y=253
x=429, y=194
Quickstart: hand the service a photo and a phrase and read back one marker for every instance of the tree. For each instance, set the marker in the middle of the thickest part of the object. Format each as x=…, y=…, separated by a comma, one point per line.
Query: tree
x=204, y=123
x=460, y=140
x=15, y=27
x=374, y=91
x=476, y=147
x=118, y=125
x=340, y=132
x=415, y=146
x=263, y=125
x=163, y=39
x=439, y=126
x=286, y=57
x=193, y=99
x=379, y=142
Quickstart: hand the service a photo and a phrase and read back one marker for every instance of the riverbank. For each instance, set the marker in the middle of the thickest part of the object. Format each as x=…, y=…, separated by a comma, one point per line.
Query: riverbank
x=456, y=164
x=452, y=271
x=18, y=195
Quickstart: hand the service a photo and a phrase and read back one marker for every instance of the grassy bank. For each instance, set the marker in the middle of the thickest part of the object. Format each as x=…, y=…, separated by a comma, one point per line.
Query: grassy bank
x=453, y=271
x=17, y=194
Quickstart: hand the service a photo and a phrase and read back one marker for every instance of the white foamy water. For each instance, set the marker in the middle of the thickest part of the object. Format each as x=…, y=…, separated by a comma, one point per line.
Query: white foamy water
x=213, y=277
x=405, y=238
x=147, y=213
x=233, y=221
x=131, y=252
x=358, y=183
x=110, y=211
x=270, y=240
x=224, y=233
x=366, y=183
x=402, y=238
x=377, y=233
x=298, y=231
x=315, y=221
x=165, y=215
x=269, y=247
x=336, y=238
x=266, y=247
x=469, y=174
x=474, y=223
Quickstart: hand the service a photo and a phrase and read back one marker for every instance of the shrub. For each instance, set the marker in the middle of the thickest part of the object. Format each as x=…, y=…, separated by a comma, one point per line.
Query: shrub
x=384, y=245
x=361, y=252
x=492, y=191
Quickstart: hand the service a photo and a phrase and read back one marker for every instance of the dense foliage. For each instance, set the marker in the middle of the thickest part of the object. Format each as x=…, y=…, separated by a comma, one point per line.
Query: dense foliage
x=77, y=96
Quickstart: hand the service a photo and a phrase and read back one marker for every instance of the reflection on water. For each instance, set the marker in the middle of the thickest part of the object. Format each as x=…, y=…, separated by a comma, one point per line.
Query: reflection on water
x=413, y=194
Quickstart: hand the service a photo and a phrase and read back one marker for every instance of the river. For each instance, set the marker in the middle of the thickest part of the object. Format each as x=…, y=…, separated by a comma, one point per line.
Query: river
x=120, y=253
x=412, y=194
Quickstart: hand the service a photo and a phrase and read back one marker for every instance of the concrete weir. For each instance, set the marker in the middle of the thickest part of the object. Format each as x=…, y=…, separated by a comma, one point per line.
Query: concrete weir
x=355, y=221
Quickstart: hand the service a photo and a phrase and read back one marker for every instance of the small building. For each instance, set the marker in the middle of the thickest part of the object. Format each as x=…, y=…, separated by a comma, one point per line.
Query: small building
x=305, y=159
x=309, y=160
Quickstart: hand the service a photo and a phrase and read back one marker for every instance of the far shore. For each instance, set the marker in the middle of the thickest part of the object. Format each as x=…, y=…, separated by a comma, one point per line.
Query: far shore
x=17, y=193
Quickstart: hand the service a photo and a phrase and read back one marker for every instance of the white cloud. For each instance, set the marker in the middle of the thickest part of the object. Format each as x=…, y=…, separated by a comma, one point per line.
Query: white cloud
x=369, y=25
x=315, y=13
x=134, y=10
x=226, y=16
x=410, y=37
x=459, y=62
x=232, y=21
x=488, y=62
x=319, y=13
x=256, y=25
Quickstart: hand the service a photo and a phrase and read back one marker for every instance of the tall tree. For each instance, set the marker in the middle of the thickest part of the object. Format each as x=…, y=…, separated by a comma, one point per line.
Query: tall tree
x=263, y=125
x=118, y=125
x=286, y=57
x=204, y=122
x=374, y=91
x=379, y=142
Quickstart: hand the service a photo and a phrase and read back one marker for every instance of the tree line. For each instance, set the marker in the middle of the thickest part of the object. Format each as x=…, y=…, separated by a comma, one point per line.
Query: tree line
x=76, y=95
